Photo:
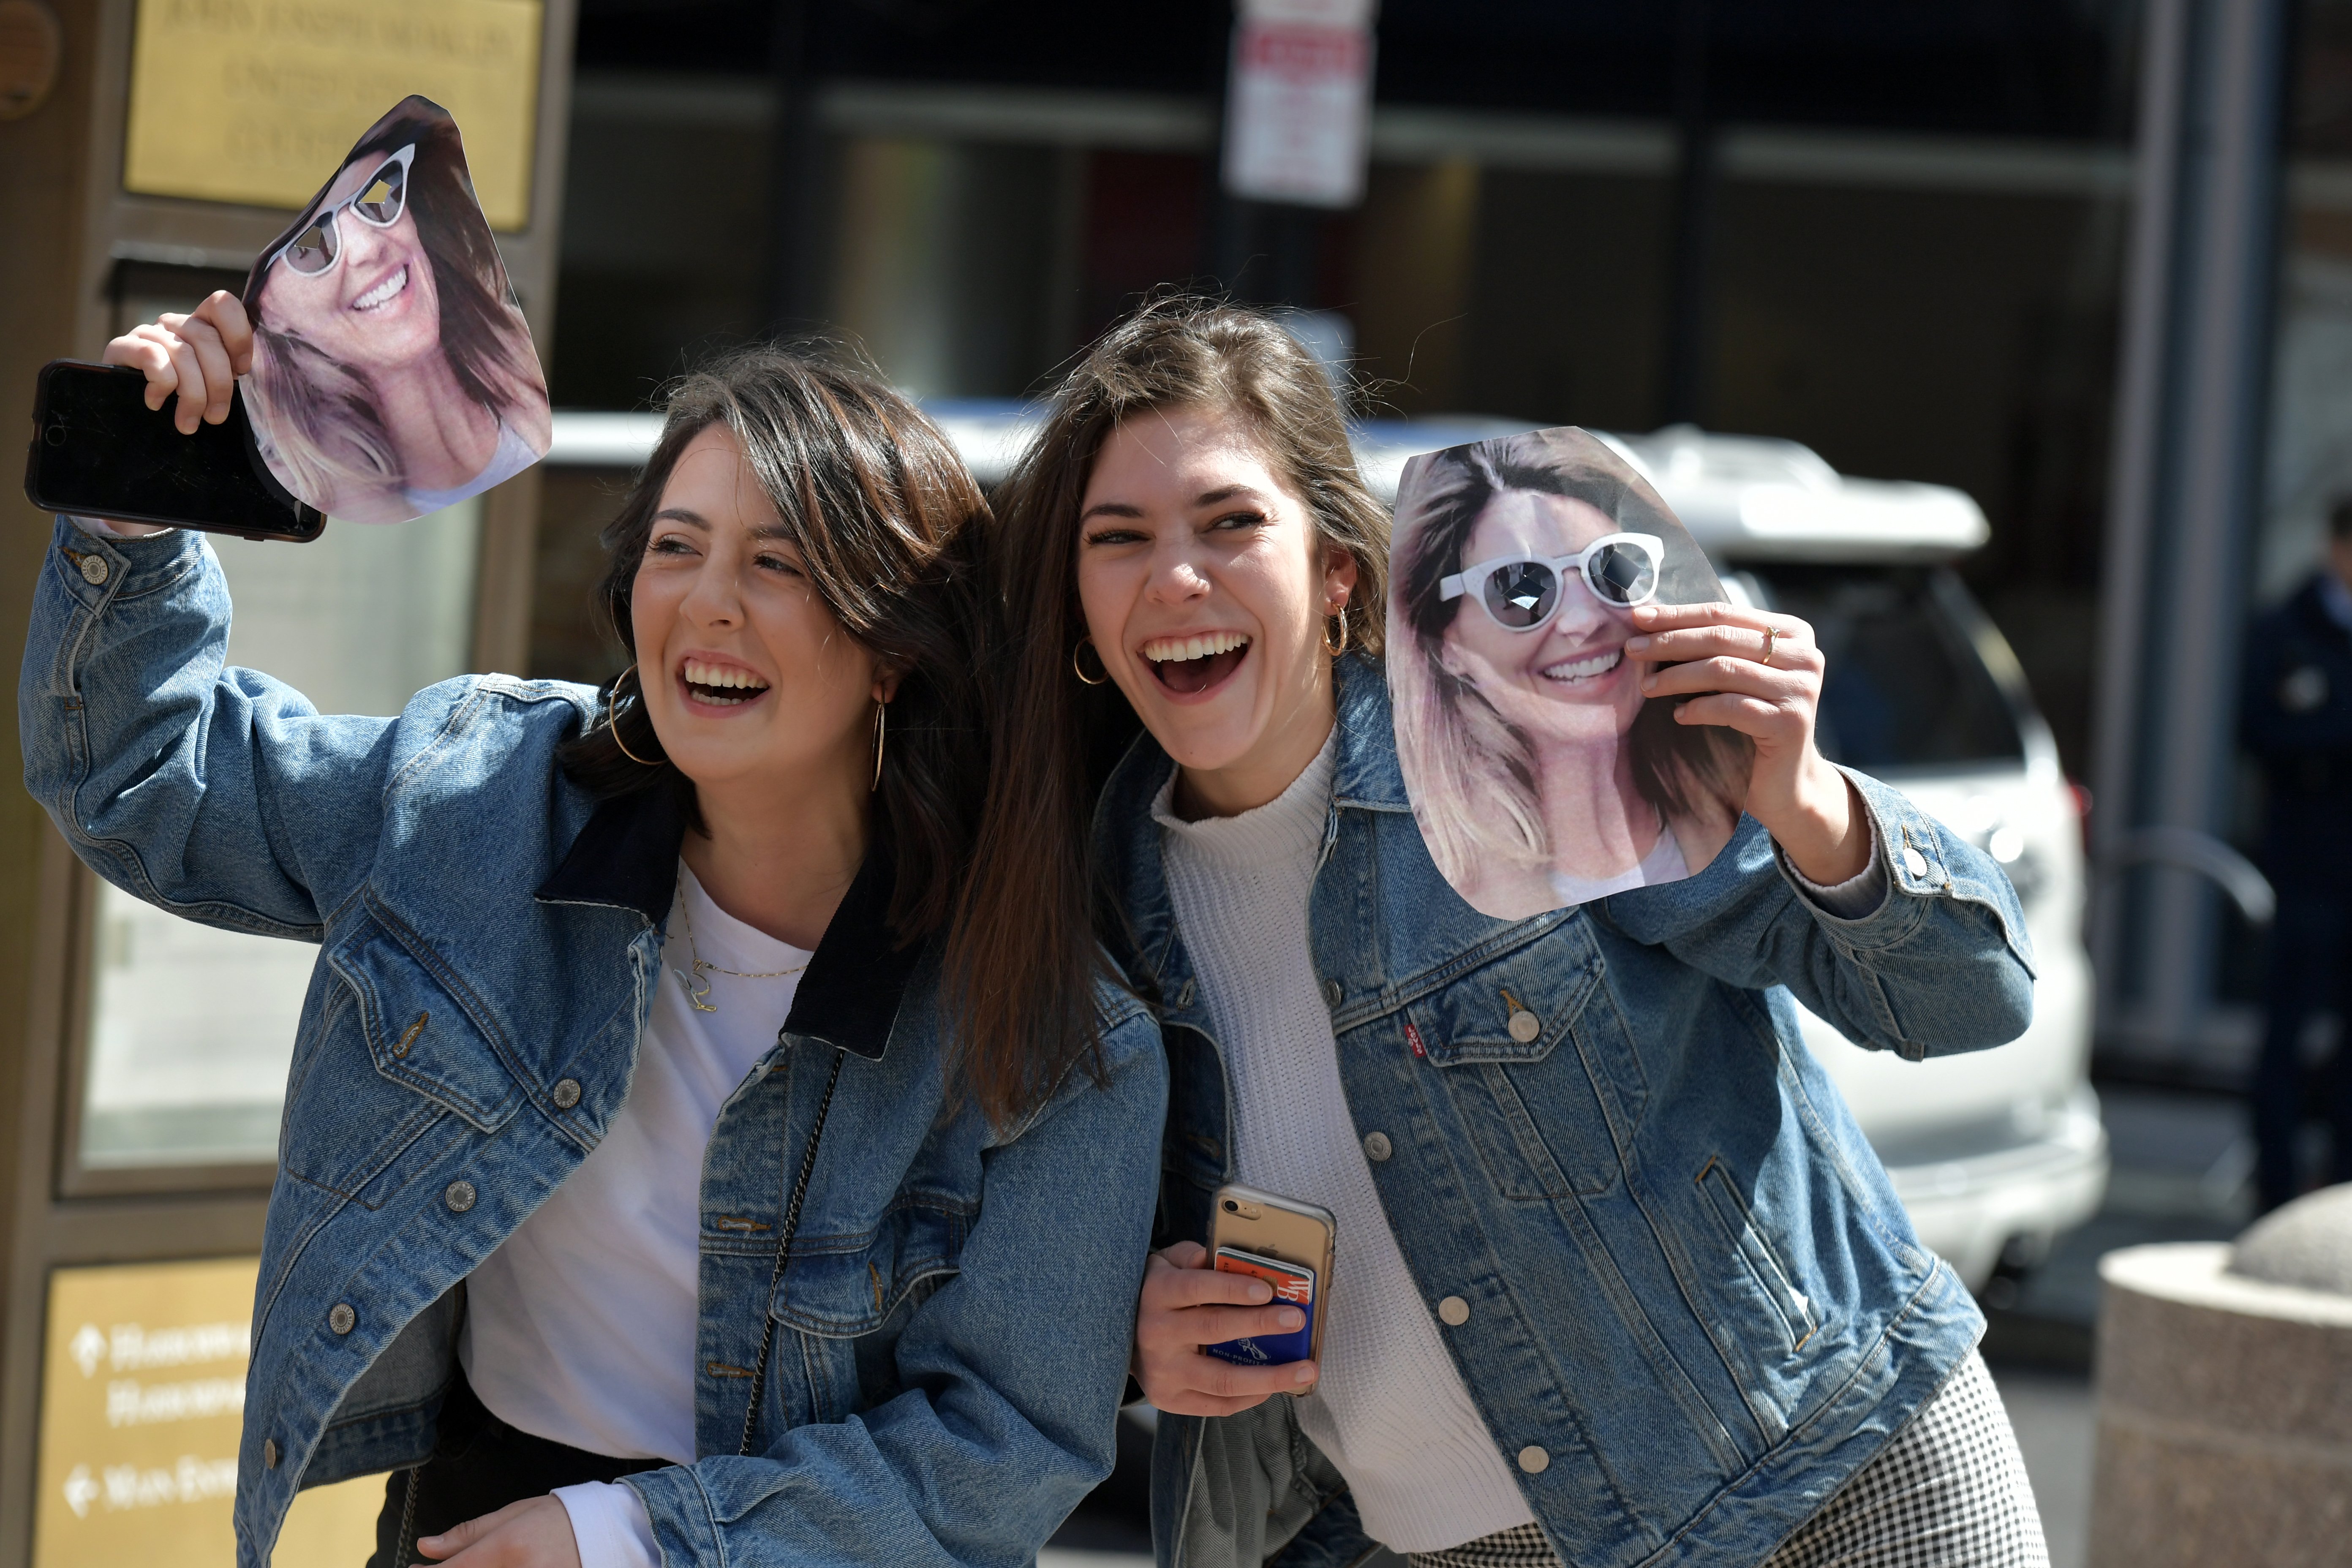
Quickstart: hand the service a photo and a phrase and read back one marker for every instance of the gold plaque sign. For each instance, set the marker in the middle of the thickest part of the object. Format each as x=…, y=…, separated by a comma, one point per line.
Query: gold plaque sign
x=257, y=101
x=143, y=1394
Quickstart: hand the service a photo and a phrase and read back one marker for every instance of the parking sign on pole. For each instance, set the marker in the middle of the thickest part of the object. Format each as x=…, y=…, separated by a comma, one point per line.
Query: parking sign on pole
x=1298, y=102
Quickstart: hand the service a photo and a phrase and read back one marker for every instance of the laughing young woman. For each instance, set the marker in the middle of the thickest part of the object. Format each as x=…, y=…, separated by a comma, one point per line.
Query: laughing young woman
x=1617, y=1279
x=635, y=1150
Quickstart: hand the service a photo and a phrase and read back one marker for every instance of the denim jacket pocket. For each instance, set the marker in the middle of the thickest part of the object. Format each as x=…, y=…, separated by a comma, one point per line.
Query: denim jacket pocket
x=1546, y=1122
x=398, y=1071
x=850, y=1296
x=839, y=1287
x=1762, y=1278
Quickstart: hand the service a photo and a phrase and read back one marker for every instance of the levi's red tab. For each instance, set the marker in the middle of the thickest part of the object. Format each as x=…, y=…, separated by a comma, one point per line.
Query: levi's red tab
x=1412, y=1038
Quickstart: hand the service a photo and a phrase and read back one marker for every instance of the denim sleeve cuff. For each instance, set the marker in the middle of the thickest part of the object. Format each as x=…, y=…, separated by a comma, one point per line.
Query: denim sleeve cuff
x=685, y=1526
x=1858, y=895
x=1926, y=867
x=609, y=1526
x=1906, y=851
x=95, y=566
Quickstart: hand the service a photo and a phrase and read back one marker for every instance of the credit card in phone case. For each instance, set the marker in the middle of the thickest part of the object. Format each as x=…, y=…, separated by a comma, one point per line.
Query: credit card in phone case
x=1293, y=1285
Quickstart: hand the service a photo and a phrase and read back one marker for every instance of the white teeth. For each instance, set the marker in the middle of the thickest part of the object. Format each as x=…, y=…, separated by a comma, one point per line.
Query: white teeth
x=381, y=291
x=1585, y=668
x=1170, y=650
x=722, y=676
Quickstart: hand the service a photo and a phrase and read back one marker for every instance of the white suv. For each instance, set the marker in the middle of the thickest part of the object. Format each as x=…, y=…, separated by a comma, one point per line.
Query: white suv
x=1993, y=1152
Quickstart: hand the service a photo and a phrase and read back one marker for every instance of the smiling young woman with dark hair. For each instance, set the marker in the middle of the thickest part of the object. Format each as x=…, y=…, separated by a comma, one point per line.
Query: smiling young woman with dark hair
x=1616, y=1279
x=633, y=1152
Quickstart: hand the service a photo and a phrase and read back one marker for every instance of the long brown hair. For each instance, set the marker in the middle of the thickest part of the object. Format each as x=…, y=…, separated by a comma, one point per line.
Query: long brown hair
x=1026, y=952
x=887, y=521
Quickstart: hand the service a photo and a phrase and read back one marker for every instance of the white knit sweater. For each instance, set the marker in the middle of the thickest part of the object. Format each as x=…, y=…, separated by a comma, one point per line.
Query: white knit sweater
x=1391, y=1410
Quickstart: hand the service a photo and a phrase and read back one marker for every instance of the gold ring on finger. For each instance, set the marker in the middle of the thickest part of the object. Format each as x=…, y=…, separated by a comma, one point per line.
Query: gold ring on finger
x=1771, y=634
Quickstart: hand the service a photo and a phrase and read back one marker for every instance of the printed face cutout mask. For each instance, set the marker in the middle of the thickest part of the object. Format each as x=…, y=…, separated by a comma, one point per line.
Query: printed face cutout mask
x=1541, y=775
x=393, y=373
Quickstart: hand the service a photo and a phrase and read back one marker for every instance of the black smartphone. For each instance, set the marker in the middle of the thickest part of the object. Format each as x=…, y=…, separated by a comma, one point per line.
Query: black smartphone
x=99, y=451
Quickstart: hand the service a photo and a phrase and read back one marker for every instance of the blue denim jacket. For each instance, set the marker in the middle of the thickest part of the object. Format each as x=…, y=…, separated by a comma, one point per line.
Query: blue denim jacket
x=953, y=1329
x=1696, y=1307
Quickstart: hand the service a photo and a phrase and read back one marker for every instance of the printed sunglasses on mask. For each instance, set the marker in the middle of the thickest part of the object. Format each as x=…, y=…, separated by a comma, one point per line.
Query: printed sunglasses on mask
x=1522, y=592
x=382, y=197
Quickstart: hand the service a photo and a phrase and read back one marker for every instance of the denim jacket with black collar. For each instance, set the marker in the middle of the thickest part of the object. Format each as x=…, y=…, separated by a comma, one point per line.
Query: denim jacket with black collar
x=952, y=1330
x=1678, y=1283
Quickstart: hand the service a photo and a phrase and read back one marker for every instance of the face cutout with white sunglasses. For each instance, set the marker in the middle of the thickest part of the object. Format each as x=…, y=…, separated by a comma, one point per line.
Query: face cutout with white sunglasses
x=1519, y=708
x=394, y=374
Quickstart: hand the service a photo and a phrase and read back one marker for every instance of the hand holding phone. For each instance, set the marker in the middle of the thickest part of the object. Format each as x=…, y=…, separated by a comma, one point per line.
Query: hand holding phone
x=1219, y=1327
x=195, y=357
x=1186, y=1305
x=101, y=448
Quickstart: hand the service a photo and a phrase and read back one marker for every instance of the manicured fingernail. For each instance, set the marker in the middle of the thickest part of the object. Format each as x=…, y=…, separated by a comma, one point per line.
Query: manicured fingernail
x=1635, y=645
x=1290, y=1318
x=1306, y=1372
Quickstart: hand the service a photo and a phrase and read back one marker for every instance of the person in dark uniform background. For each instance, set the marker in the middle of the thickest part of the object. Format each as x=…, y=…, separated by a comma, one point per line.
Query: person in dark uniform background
x=2295, y=716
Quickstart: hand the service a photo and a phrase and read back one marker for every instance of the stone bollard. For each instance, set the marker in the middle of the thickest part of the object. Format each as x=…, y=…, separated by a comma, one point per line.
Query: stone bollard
x=2225, y=1398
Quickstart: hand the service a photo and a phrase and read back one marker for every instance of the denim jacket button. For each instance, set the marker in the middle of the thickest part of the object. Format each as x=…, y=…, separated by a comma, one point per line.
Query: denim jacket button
x=458, y=1195
x=1332, y=992
x=1525, y=1025
x=1915, y=863
x=1376, y=1146
x=340, y=1318
x=1534, y=1460
x=93, y=569
x=567, y=1093
x=1454, y=1311
x=269, y=1453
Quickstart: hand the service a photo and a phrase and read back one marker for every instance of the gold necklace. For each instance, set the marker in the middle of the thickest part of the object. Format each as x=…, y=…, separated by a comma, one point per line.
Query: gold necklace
x=698, y=985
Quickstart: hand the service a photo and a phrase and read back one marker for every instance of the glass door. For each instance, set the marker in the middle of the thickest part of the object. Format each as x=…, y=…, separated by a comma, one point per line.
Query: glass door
x=190, y=1029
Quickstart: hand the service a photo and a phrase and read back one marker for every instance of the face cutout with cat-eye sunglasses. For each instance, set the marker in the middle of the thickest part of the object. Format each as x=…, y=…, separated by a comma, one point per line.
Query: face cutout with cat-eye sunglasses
x=1523, y=592
x=382, y=197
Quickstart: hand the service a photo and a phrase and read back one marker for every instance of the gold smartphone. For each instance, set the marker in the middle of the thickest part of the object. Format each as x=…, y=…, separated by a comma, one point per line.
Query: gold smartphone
x=1268, y=1225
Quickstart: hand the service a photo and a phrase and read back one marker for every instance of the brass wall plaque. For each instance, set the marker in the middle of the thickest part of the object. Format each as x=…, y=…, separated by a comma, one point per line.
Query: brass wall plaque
x=143, y=1394
x=257, y=101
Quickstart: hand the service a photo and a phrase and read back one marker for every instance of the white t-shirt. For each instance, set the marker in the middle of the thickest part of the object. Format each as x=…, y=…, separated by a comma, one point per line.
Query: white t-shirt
x=581, y=1327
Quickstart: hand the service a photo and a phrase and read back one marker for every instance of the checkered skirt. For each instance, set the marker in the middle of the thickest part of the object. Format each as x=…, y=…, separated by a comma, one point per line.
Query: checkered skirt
x=1948, y=1491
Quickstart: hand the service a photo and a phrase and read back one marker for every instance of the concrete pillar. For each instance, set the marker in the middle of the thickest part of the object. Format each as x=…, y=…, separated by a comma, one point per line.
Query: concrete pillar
x=2189, y=444
x=2225, y=1398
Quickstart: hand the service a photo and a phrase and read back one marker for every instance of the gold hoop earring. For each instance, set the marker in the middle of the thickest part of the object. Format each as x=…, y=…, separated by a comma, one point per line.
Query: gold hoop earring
x=881, y=739
x=1342, y=618
x=1080, y=670
x=613, y=715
